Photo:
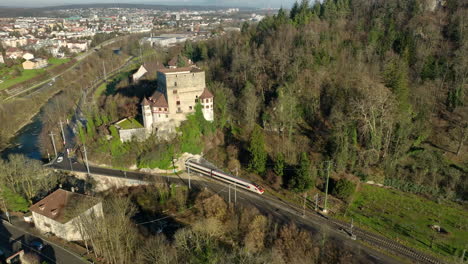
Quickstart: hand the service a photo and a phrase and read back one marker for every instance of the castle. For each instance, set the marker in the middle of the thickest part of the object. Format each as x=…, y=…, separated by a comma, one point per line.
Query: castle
x=179, y=90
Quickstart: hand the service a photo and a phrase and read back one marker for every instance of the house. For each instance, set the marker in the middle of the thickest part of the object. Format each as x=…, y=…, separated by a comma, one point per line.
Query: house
x=78, y=46
x=137, y=75
x=60, y=213
x=179, y=60
x=13, y=53
x=28, y=56
x=34, y=64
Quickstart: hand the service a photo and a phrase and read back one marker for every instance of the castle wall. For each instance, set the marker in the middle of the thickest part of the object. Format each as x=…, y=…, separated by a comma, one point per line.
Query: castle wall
x=182, y=89
x=127, y=134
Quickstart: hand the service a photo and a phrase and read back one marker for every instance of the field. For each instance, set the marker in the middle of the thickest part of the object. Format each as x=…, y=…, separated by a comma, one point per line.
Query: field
x=407, y=218
x=8, y=78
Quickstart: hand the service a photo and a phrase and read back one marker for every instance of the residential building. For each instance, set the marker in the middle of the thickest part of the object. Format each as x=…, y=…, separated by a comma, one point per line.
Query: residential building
x=137, y=75
x=14, y=53
x=60, y=213
x=28, y=56
x=34, y=64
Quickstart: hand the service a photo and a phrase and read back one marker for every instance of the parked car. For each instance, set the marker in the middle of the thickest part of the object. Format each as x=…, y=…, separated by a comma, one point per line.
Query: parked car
x=37, y=245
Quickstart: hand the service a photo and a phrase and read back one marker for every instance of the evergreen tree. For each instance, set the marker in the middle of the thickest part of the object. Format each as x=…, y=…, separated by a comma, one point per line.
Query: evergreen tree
x=302, y=181
x=258, y=155
x=279, y=165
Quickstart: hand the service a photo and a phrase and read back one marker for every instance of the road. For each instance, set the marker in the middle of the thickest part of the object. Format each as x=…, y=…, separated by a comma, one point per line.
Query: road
x=282, y=211
x=14, y=236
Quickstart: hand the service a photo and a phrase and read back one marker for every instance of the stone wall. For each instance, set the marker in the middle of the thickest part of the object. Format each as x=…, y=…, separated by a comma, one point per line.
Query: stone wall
x=181, y=87
x=127, y=134
x=104, y=183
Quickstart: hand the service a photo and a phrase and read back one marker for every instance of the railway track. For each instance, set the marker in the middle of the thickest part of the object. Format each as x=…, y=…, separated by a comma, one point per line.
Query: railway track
x=366, y=236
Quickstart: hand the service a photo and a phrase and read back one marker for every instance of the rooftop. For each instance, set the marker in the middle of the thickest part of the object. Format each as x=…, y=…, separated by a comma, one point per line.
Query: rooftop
x=62, y=206
x=181, y=70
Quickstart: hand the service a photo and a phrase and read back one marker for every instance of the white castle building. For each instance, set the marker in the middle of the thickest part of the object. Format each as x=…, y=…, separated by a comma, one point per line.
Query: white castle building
x=179, y=91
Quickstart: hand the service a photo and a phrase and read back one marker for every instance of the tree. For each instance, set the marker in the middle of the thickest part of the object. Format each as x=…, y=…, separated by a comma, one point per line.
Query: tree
x=258, y=154
x=279, y=165
x=302, y=180
x=344, y=189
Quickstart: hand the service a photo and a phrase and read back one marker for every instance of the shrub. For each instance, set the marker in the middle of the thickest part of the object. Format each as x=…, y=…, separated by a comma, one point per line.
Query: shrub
x=343, y=189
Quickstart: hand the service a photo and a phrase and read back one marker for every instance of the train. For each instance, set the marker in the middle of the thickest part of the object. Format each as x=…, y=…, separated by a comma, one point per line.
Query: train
x=221, y=176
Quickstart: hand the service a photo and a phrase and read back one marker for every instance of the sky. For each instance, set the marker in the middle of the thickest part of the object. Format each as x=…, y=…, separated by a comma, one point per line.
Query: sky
x=234, y=3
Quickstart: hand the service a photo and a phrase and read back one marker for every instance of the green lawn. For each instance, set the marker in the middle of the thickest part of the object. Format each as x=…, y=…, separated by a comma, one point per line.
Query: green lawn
x=407, y=217
x=130, y=123
x=54, y=62
x=10, y=80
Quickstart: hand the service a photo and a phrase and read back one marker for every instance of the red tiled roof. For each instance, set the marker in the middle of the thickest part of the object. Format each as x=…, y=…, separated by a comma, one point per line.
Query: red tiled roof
x=62, y=205
x=206, y=94
x=158, y=99
x=145, y=101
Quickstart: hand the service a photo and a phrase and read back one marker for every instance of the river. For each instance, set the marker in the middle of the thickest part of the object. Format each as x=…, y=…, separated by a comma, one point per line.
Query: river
x=26, y=141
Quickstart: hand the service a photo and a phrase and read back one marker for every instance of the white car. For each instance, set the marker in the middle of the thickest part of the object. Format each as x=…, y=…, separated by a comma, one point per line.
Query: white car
x=59, y=159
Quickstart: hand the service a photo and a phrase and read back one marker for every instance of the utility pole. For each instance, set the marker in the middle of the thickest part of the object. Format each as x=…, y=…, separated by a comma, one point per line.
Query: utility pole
x=326, y=188
x=86, y=159
x=235, y=195
x=316, y=202
x=63, y=133
x=229, y=190
x=53, y=142
x=6, y=211
x=105, y=74
x=304, y=205
x=68, y=157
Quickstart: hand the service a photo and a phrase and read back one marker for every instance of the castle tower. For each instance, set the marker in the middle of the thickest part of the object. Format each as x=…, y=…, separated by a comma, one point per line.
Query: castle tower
x=206, y=100
x=146, y=113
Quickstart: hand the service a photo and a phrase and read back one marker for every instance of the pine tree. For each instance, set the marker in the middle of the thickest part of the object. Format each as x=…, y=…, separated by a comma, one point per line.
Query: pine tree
x=279, y=165
x=302, y=181
x=258, y=155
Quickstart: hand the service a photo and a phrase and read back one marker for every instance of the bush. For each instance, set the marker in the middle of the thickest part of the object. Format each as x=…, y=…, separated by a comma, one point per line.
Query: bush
x=343, y=189
x=14, y=202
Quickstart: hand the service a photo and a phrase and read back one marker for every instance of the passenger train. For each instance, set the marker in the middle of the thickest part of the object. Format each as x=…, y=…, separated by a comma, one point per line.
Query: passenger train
x=219, y=175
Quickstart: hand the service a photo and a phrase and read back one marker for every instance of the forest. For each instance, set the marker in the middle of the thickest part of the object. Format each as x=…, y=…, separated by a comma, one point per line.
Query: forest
x=376, y=87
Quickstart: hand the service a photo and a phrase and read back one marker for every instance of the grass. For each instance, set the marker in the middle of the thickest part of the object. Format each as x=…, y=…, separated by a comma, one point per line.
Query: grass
x=130, y=123
x=54, y=62
x=9, y=80
x=101, y=89
x=408, y=217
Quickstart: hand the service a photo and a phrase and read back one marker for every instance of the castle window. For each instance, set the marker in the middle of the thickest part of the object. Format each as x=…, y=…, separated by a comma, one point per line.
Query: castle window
x=159, y=115
x=160, y=109
x=175, y=83
x=175, y=91
x=178, y=102
x=190, y=107
x=165, y=109
x=167, y=116
x=211, y=106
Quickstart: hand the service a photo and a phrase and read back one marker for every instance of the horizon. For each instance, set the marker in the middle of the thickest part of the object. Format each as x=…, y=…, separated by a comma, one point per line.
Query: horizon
x=188, y=3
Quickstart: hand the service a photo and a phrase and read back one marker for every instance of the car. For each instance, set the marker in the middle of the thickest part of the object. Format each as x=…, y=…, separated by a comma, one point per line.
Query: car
x=37, y=245
x=59, y=159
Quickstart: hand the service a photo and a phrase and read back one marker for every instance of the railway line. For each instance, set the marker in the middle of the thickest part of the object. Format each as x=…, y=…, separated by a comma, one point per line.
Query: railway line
x=372, y=239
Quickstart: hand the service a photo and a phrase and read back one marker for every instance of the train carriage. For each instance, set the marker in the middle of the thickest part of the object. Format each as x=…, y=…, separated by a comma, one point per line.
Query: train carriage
x=219, y=175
